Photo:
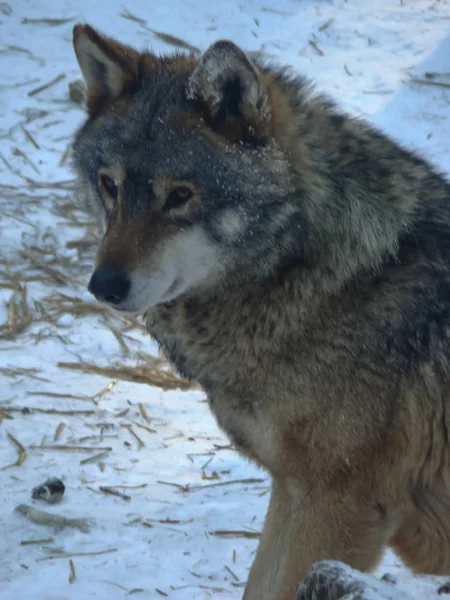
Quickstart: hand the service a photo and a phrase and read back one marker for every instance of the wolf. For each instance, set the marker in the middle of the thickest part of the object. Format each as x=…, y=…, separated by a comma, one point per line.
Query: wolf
x=295, y=262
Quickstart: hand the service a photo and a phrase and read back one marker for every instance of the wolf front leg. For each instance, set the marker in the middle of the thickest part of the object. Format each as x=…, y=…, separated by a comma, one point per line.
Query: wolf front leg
x=301, y=529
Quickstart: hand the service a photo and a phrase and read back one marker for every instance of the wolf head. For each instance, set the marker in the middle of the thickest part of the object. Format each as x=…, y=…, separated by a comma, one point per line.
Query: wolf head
x=223, y=171
x=177, y=155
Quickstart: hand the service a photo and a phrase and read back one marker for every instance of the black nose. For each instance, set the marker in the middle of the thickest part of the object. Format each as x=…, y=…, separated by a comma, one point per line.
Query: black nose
x=109, y=286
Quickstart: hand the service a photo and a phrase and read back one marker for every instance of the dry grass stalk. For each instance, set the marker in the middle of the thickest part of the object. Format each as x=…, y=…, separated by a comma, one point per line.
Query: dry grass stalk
x=49, y=411
x=276, y=12
x=128, y=487
x=45, y=21
x=120, y=339
x=148, y=374
x=30, y=138
x=94, y=458
x=313, y=44
x=64, y=156
x=83, y=243
x=133, y=323
x=232, y=533
x=60, y=395
x=55, y=549
x=173, y=40
x=235, y=577
x=231, y=482
x=41, y=264
x=113, y=492
x=24, y=157
x=6, y=285
x=127, y=15
x=192, y=454
x=47, y=85
x=61, y=303
x=21, y=371
x=58, y=431
x=5, y=9
x=60, y=447
x=433, y=74
x=135, y=435
x=194, y=488
x=13, y=48
x=182, y=488
x=168, y=521
x=378, y=92
x=22, y=453
x=121, y=587
x=72, y=574
x=12, y=169
x=107, y=388
x=18, y=318
x=143, y=412
x=149, y=429
x=65, y=184
x=122, y=413
x=442, y=84
x=71, y=554
x=15, y=86
x=326, y=24
x=4, y=415
x=30, y=542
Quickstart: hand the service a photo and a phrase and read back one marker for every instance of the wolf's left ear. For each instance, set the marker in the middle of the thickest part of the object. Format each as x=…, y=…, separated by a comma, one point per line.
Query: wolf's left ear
x=229, y=84
x=108, y=67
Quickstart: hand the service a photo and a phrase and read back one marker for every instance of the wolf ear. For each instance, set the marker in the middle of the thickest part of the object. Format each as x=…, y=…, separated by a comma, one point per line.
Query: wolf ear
x=229, y=84
x=108, y=67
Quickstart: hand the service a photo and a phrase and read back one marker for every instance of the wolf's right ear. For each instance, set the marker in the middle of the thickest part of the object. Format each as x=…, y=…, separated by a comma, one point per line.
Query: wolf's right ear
x=229, y=84
x=108, y=68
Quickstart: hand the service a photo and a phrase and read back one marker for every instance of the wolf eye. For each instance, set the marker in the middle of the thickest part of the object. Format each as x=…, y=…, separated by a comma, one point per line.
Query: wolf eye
x=177, y=197
x=110, y=186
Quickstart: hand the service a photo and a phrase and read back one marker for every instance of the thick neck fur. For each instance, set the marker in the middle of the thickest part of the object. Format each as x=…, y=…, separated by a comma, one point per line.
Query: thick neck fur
x=361, y=193
x=365, y=206
x=357, y=198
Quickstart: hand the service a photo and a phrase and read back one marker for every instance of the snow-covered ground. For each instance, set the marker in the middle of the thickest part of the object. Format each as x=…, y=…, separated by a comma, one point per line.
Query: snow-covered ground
x=379, y=58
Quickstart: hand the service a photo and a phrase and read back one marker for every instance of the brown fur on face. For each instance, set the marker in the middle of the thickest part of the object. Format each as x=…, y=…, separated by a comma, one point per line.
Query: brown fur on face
x=313, y=302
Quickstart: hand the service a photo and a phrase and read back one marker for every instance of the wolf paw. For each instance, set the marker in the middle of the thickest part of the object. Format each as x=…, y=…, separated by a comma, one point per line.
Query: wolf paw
x=329, y=581
x=333, y=580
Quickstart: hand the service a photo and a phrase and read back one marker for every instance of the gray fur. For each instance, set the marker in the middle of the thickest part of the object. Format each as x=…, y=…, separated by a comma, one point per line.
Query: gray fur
x=318, y=320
